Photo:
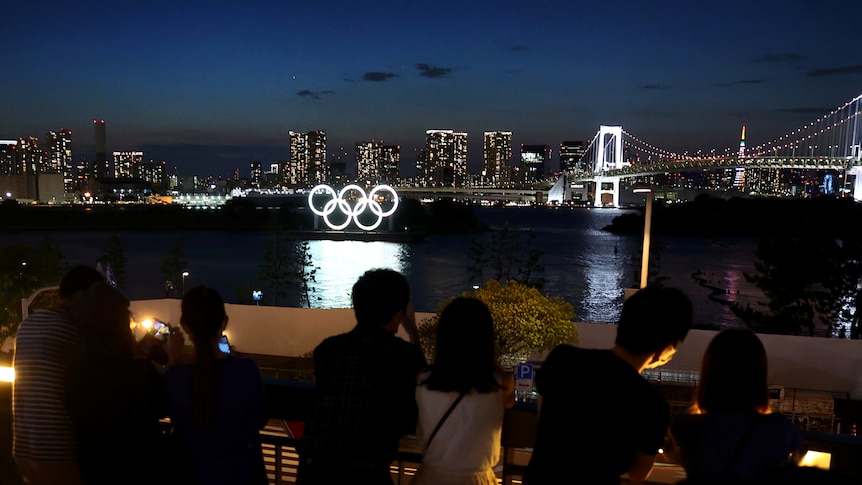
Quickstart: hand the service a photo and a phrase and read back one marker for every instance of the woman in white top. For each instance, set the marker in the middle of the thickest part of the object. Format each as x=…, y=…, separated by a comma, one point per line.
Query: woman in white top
x=466, y=447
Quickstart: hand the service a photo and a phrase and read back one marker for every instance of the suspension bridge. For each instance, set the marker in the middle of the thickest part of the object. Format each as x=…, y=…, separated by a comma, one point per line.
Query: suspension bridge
x=831, y=142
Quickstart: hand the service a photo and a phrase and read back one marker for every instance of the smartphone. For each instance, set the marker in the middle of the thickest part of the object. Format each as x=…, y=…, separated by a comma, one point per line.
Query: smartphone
x=223, y=344
x=161, y=329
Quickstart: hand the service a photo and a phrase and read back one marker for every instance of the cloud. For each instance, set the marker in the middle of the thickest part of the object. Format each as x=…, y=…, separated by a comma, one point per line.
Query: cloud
x=427, y=70
x=305, y=93
x=377, y=76
x=788, y=57
x=836, y=71
x=655, y=86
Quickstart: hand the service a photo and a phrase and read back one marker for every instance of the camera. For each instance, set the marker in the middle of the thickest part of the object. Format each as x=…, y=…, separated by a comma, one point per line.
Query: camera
x=152, y=345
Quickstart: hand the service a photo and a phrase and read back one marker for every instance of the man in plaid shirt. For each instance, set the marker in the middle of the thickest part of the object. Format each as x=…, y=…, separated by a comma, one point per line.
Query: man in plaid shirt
x=365, y=384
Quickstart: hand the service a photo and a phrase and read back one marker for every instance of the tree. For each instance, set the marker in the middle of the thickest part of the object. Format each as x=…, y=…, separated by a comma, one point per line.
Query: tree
x=524, y=320
x=23, y=270
x=506, y=255
x=173, y=267
x=276, y=268
x=303, y=272
x=113, y=254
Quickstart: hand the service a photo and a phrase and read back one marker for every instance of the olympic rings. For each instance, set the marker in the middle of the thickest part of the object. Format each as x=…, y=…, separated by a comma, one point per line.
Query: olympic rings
x=363, y=202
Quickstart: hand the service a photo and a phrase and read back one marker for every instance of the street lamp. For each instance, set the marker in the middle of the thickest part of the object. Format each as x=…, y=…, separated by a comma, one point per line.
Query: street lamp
x=185, y=274
x=645, y=189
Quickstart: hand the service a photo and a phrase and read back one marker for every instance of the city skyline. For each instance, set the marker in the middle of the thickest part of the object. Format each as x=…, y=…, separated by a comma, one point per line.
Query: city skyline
x=213, y=87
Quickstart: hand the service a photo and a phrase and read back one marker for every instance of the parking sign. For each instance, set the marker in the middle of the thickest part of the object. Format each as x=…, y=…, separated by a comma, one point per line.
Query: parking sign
x=524, y=374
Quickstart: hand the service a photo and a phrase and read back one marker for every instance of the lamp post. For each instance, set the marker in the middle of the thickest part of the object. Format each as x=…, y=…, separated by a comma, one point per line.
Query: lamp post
x=647, y=223
x=185, y=274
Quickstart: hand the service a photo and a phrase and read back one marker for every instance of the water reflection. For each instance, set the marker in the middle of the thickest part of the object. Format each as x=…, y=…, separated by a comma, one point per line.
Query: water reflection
x=341, y=263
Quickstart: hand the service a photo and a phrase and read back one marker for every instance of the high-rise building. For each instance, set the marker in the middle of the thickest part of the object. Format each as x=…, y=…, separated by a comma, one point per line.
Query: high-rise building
x=445, y=159
x=153, y=172
x=101, y=167
x=534, y=162
x=29, y=156
x=377, y=163
x=255, y=175
x=126, y=164
x=59, y=159
x=307, y=164
x=498, y=155
x=8, y=157
x=571, y=153
x=338, y=167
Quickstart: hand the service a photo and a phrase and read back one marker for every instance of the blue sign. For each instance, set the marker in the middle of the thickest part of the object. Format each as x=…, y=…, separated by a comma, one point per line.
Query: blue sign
x=525, y=371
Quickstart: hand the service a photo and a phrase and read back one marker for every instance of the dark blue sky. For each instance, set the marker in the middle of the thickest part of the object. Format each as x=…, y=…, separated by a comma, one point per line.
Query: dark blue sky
x=211, y=86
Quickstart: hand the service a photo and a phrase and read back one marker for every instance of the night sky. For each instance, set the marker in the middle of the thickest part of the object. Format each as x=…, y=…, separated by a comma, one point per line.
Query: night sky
x=212, y=86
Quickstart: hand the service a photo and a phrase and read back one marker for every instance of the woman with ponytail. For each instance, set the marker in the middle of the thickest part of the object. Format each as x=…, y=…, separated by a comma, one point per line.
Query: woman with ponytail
x=217, y=404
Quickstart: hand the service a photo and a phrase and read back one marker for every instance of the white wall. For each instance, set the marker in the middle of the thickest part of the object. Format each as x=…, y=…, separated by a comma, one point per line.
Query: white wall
x=801, y=362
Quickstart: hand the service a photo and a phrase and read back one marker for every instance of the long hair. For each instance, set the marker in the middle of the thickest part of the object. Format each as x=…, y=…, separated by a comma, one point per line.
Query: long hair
x=203, y=314
x=733, y=374
x=464, y=355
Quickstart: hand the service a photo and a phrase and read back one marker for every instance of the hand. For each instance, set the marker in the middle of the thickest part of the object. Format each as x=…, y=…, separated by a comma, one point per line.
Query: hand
x=409, y=323
x=174, y=345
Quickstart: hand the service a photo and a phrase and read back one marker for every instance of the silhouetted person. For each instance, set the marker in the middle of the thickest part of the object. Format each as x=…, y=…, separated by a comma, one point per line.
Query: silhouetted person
x=731, y=432
x=217, y=403
x=46, y=351
x=598, y=417
x=365, y=383
x=466, y=448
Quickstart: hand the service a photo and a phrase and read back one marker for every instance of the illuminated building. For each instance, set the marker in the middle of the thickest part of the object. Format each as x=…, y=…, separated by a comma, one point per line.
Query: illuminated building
x=534, y=162
x=570, y=155
x=8, y=157
x=377, y=163
x=29, y=156
x=255, y=174
x=307, y=163
x=337, y=170
x=444, y=161
x=152, y=172
x=497, y=152
x=101, y=167
x=126, y=164
x=59, y=159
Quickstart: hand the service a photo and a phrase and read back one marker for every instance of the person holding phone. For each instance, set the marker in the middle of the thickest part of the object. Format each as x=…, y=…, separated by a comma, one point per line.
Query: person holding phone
x=217, y=404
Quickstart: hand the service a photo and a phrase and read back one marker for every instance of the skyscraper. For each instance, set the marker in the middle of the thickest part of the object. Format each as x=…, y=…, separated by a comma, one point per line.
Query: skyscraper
x=59, y=159
x=445, y=158
x=126, y=164
x=570, y=155
x=8, y=157
x=307, y=163
x=377, y=163
x=534, y=162
x=29, y=156
x=255, y=174
x=497, y=153
x=101, y=167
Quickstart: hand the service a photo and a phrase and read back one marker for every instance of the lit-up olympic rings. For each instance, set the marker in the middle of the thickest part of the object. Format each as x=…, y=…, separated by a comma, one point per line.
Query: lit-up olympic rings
x=363, y=202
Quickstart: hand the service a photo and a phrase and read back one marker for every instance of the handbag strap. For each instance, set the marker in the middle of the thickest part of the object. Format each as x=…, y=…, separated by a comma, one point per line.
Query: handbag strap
x=443, y=419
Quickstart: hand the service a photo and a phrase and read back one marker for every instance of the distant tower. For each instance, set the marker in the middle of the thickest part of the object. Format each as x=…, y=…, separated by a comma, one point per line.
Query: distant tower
x=534, y=162
x=497, y=151
x=445, y=158
x=101, y=168
x=307, y=164
x=742, y=143
x=571, y=153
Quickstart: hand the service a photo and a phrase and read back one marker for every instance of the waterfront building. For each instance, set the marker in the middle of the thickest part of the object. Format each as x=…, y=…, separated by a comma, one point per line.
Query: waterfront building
x=497, y=152
x=571, y=153
x=59, y=157
x=126, y=164
x=8, y=157
x=444, y=161
x=534, y=162
x=377, y=163
x=337, y=168
x=101, y=167
x=255, y=174
x=154, y=173
x=83, y=176
x=307, y=163
x=29, y=158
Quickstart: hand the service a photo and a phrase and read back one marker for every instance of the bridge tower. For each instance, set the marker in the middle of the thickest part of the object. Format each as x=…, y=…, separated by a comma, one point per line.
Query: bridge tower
x=609, y=157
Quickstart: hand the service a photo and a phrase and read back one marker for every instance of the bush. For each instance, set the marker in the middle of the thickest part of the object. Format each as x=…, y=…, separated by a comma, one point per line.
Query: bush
x=524, y=319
